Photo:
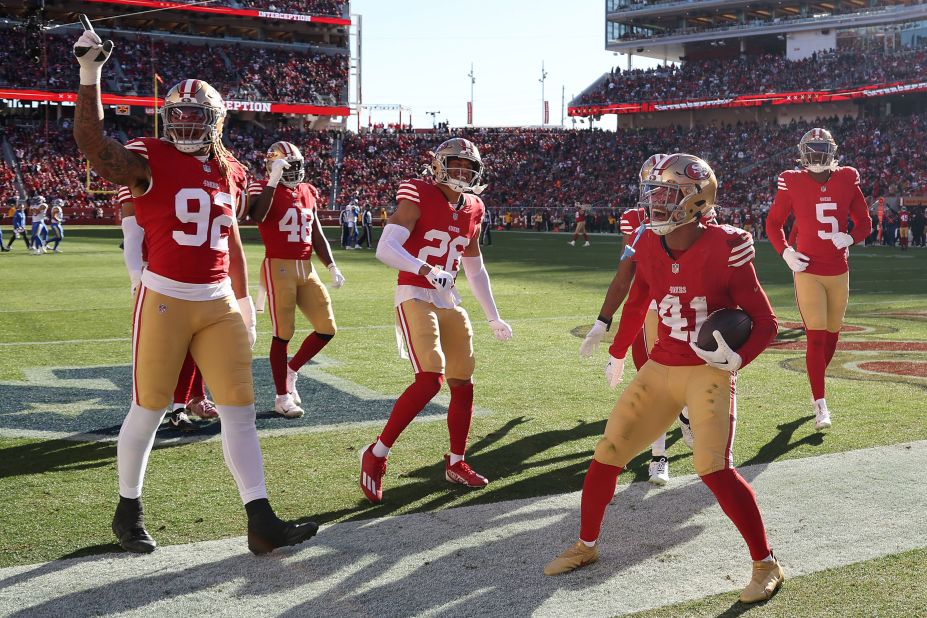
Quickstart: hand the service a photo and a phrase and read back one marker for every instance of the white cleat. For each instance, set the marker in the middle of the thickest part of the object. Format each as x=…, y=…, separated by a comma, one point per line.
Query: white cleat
x=572, y=243
x=821, y=415
x=291, y=384
x=586, y=244
x=285, y=406
x=659, y=471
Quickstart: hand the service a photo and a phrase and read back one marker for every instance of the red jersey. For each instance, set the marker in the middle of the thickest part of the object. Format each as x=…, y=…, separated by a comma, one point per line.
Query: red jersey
x=716, y=272
x=187, y=212
x=903, y=218
x=442, y=231
x=580, y=216
x=632, y=219
x=820, y=210
x=286, y=229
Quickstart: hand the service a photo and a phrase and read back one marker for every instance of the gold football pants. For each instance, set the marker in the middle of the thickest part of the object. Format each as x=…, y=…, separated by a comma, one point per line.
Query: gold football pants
x=164, y=328
x=291, y=284
x=439, y=340
x=822, y=300
x=650, y=404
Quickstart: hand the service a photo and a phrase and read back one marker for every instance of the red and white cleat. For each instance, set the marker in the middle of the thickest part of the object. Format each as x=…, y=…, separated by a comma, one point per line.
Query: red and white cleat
x=373, y=469
x=462, y=473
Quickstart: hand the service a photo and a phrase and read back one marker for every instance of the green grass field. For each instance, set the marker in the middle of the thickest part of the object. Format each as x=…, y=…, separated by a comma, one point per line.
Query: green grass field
x=542, y=408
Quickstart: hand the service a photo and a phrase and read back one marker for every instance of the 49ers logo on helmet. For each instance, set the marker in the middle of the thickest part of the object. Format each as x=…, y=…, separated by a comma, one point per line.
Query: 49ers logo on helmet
x=697, y=171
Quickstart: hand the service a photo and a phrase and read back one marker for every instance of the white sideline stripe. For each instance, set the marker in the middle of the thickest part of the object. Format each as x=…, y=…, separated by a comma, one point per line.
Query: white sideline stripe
x=556, y=318
x=487, y=560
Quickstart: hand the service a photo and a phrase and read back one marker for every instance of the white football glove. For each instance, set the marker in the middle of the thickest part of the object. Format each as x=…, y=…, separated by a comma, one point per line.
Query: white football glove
x=337, y=277
x=614, y=369
x=440, y=279
x=841, y=240
x=723, y=358
x=246, y=306
x=276, y=172
x=91, y=53
x=501, y=329
x=136, y=278
x=593, y=338
x=796, y=261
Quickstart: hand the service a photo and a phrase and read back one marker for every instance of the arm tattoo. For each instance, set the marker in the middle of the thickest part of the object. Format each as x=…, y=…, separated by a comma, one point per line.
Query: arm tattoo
x=110, y=159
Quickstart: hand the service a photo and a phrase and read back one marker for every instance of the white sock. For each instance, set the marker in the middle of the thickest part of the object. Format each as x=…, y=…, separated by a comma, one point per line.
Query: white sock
x=456, y=458
x=380, y=450
x=685, y=413
x=588, y=543
x=136, y=437
x=769, y=558
x=178, y=406
x=658, y=448
x=242, y=450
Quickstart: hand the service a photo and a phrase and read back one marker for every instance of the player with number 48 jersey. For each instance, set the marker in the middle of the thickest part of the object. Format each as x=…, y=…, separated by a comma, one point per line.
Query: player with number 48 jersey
x=290, y=229
x=822, y=197
x=435, y=230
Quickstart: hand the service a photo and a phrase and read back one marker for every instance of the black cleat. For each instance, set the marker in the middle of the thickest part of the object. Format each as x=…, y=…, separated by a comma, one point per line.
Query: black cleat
x=129, y=527
x=267, y=535
x=178, y=419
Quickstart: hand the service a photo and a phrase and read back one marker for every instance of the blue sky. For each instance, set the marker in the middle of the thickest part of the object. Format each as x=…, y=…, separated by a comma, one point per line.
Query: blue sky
x=418, y=53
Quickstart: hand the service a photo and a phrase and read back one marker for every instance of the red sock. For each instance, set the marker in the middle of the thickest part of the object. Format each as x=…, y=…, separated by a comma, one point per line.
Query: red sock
x=277, y=358
x=196, y=386
x=185, y=380
x=310, y=347
x=412, y=401
x=598, y=491
x=831, y=347
x=816, y=361
x=459, y=413
x=738, y=501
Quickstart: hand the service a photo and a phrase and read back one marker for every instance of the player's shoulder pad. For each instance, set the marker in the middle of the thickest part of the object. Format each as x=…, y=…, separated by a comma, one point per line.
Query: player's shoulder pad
x=123, y=195
x=850, y=172
x=739, y=245
x=141, y=145
x=313, y=190
x=784, y=178
x=475, y=202
x=409, y=190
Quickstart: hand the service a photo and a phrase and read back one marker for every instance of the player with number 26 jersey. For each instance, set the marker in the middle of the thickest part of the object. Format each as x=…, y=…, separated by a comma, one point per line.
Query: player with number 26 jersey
x=285, y=208
x=821, y=197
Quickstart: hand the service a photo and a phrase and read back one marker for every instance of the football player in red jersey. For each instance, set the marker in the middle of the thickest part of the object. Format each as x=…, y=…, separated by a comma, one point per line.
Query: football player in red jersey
x=290, y=230
x=580, y=226
x=633, y=223
x=821, y=197
x=435, y=229
x=185, y=187
x=693, y=269
x=190, y=393
x=904, y=220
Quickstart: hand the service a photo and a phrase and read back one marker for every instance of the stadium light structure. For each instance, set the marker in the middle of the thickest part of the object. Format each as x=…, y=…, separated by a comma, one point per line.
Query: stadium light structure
x=542, y=80
x=472, y=77
x=434, y=118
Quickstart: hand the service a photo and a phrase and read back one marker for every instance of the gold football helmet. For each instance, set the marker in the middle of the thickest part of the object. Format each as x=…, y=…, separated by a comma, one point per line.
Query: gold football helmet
x=463, y=180
x=294, y=174
x=679, y=189
x=649, y=164
x=818, y=151
x=192, y=115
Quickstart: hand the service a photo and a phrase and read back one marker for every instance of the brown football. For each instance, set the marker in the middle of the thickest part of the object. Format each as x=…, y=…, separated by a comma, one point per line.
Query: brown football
x=733, y=324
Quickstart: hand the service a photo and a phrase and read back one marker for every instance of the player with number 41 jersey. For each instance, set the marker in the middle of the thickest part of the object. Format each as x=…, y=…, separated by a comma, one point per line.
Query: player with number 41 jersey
x=290, y=229
x=822, y=197
x=435, y=230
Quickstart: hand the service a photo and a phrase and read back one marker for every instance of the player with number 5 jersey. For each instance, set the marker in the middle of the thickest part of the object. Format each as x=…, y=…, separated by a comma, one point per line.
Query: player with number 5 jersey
x=186, y=188
x=822, y=197
x=435, y=230
x=290, y=230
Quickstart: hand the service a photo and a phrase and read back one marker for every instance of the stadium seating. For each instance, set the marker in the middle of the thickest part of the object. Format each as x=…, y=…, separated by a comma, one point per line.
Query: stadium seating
x=704, y=79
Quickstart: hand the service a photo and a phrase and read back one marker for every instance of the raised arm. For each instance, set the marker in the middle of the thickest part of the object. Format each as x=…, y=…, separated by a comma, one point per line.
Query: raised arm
x=110, y=159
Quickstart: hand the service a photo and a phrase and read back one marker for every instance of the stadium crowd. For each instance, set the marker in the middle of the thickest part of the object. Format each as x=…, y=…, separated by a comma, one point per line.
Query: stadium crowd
x=537, y=178
x=242, y=73
x=303, y=7
x=704, y=79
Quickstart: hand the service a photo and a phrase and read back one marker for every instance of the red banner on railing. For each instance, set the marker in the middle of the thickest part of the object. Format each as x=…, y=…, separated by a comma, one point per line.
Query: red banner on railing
x=223, y=10
x=753, y=100
x=235, y=106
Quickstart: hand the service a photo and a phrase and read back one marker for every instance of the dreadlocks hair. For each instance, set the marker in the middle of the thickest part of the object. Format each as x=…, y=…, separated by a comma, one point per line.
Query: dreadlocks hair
x=224, y=156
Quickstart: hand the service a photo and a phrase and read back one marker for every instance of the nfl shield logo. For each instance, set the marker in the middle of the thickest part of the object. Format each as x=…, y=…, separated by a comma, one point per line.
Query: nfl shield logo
x=206, y=168
x=675, y=269
x=454, y=216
